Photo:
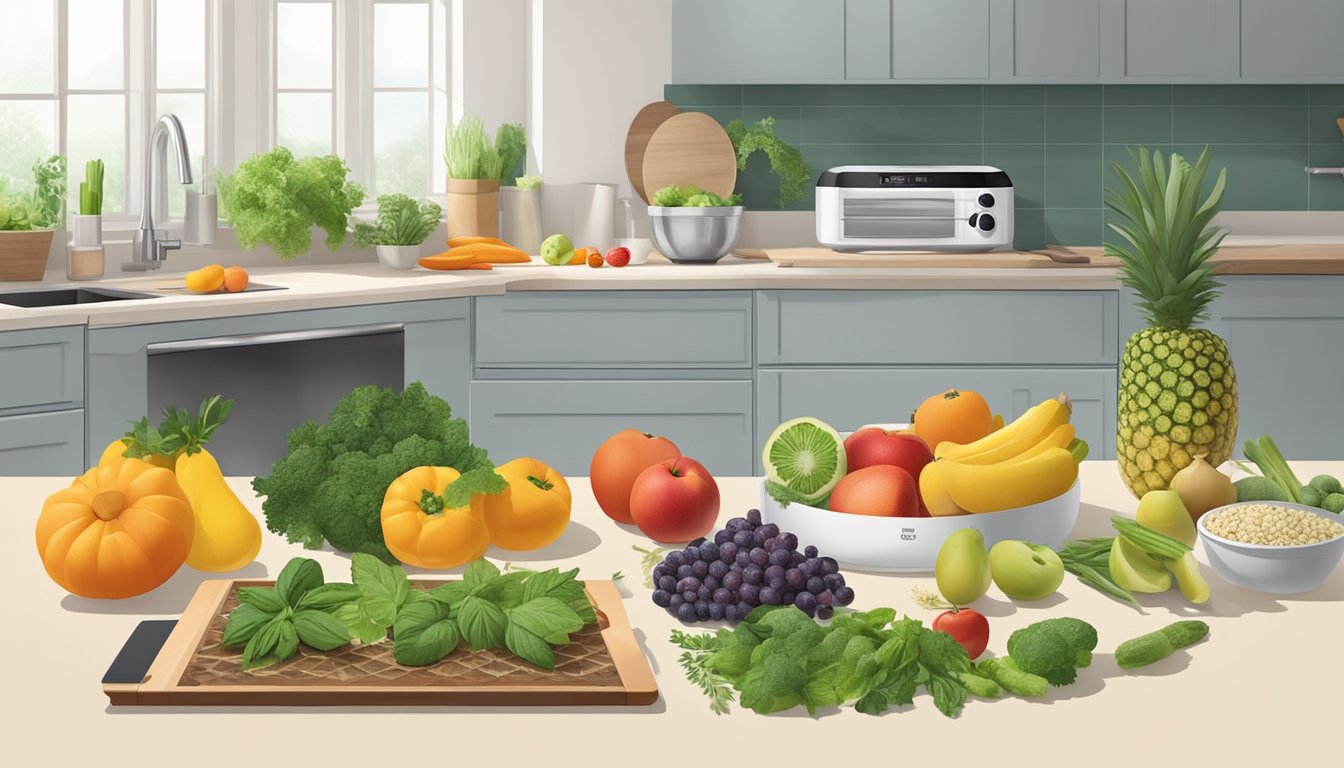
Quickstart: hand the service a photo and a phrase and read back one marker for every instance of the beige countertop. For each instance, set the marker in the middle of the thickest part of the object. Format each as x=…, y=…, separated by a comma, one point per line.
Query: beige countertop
x=334, y=285
x=1263, y=689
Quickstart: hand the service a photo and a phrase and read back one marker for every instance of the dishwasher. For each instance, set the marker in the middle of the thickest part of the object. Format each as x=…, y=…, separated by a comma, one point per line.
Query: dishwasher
x=277, y=381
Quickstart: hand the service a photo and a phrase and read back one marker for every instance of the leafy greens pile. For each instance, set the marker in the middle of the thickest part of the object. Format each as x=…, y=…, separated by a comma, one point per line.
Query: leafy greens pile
x=691, y=196
x=401, y=220
x=330, y=484
x=275, y=199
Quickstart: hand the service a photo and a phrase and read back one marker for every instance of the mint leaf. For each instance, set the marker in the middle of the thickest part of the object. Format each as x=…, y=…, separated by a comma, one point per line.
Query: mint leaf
x=553, y=583
x=474, y=482
x=383, y=587
x=328, y=597
x=357, y=622
x=483, y=623
x=320, y=630
x=506, y=591
x=259, y=651
x=479, y=575
x=297, y=577
x=451, y=593
x=244, y=623
x=265, y=599
x=288, y=643
x=547, y=618
x=873, y=703
x=424, y=633
x=528, y=646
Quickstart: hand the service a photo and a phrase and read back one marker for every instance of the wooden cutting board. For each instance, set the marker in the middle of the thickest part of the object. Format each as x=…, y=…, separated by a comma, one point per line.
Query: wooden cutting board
x=690, y=148
x=603, y=665
x=825, y=257
x=1294, y=259
x=646, y=121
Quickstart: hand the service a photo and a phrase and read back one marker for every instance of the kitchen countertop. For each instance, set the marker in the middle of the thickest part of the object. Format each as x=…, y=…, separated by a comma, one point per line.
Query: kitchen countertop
x=1260, y=690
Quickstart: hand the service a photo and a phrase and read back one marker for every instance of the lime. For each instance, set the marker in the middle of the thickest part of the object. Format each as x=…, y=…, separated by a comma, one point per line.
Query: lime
x=805, y=455
x=557, y=250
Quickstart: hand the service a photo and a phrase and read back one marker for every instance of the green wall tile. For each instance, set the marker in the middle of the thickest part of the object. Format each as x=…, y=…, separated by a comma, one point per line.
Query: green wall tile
x=1073, y=95
x=1137, y=125
x=788, y=120
x=1326, y=193
x=1072, y=124
x=918, y=154
x=706, y=95
x=1321, y=125
x=1014, y=95
x=1073, y=176
x=861, y=95
x=1325, y=94
x=1239, y=125
x=723, y=114
x=1073, y=226
x=1136, y=95
x=1238, y=95
x=1013, y=125
x=1028, y=228
x=1025, y=165
x=1260, y=177
x=891, y=125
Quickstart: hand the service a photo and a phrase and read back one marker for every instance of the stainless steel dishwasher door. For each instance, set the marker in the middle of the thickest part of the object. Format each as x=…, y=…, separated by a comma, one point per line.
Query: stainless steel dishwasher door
x=277, y=382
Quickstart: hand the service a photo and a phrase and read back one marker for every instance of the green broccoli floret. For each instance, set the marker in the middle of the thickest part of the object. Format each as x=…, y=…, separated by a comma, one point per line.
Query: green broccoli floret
x=1326, y=484
x=773, y=686
x=1054, y=649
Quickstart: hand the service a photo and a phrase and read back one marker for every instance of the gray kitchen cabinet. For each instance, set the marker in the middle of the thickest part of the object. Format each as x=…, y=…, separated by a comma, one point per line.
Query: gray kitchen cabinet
x=43, y=369
x=562, y=422
x=49, y=443
x=940, y=39
x=1057, y=39
x=1292, y=39
x=868, y=39
x=1176, y=40
x=847, y=398
x=758, y=41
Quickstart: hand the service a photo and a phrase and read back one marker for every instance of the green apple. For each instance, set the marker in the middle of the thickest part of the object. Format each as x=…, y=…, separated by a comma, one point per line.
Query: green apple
x=962, y=567
x=1134, y=570
x=1164, y=512
x=557, y=250
x=1025, y=571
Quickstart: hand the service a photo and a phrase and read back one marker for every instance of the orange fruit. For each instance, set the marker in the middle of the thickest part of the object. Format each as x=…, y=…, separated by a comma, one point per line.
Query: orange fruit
x=583, y=255
x=959, y=416
x=207, y=279
x=235, y=279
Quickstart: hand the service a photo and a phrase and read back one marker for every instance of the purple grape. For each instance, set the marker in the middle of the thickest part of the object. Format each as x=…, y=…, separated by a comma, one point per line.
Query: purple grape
x=810, y=551
x=806, y=602
x=743, y=559
x=805, y=568
x=752, y=574
x=730, y=613
x=754, y=516
x=744, y=608
x=825, y=598
x=690, y=596
x=796, y=557
x=728, y=552
x=750, y=594
x=771, y=545
x=780, y=557
x=709, y=551
x=662, y=598
x=732, y=579
x=688, y=584
x=659, y=571
x=825, y=612
x=760, y=557
x=816, y=584
x=668, y=583
x=711, y=581
x=787, y=598
x=715, y=612
x=794, y=578
x=742, y=539
x=722, y=596
x=774, y=576
x=675, y=559
x=718, y=568
x=736, y=524
x=844, y=595
x=790, y=542
x=699, y=569
x=828, y=565
x=770, y=596
x=683, y=571
x=702, y=611
x=697, y=542
x=834, y=581
x=758, y=539
x=675, y=601
x=770, y=530
x=703, y=594
x=723, y=537
x=686, y=612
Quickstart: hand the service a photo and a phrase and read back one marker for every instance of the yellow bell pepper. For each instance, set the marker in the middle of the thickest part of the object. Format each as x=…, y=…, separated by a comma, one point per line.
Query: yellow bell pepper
x=419, y=531
x=533, y=511
x=228, y=536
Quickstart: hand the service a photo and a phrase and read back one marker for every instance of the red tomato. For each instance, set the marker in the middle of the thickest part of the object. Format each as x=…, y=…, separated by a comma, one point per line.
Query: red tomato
x=968, y=627
x=881, y=490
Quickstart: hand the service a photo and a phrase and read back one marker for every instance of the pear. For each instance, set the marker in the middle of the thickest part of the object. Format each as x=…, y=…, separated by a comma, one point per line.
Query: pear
x=1134, y=570
x=962, y=568
x=1164, y=512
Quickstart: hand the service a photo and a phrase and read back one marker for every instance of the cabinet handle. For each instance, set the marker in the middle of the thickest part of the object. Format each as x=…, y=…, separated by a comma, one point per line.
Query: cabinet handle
x=281, y=337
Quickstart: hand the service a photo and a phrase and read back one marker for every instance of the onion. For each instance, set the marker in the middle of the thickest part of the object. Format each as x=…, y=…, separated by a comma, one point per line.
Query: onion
x=1201, y=487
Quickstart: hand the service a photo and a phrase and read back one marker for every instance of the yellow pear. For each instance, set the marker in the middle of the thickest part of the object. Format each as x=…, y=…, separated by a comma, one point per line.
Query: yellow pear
x=1164, y=512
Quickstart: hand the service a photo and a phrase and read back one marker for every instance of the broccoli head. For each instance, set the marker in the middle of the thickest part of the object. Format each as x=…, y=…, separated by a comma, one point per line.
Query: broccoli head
x=1054, y=649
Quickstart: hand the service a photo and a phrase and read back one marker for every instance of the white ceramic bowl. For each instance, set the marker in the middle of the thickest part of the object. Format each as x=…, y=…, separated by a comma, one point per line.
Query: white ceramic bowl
x=639, y=248
x=911, y=544
x=1277, y=570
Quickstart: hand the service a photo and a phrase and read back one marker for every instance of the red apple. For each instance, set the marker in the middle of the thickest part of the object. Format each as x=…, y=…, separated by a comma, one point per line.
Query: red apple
x=675, y=500
x=874, y=446
x=881, y=490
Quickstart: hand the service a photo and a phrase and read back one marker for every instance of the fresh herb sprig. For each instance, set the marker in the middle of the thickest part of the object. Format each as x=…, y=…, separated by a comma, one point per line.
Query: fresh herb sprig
x=272, y=621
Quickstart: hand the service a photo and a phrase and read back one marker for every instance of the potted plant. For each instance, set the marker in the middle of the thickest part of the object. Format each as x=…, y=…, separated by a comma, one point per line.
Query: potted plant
x=275, y=199
x=88, y=225
x=401, y=226
x=520, y=213
x=27, y=221
x=476, y=166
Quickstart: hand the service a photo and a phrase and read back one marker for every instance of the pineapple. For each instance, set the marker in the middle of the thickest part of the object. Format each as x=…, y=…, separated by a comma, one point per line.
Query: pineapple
x=1178, y=389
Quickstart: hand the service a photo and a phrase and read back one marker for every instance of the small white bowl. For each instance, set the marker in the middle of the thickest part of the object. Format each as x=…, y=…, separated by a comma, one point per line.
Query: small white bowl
x=639, y=248
x=1276, y=570
x=911, y=544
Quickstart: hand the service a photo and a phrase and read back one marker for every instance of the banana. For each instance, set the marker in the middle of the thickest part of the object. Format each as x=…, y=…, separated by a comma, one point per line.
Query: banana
x=933, y=490
x=1060, y=437
x=1008, y=485
x=1013, y=439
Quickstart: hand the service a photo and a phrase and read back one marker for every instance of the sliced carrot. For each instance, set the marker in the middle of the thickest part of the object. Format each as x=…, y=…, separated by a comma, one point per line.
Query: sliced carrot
x=454, y=242
x=495, y=254
x=447, y=261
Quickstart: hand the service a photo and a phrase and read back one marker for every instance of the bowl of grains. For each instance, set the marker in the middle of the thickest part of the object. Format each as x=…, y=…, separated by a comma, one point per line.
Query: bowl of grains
x=1272, y=546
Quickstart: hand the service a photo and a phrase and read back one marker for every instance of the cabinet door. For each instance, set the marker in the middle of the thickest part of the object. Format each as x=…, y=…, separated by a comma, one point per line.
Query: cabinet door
x=760, y=41
x=42, y=368
x=1057, y=39
x=940, y=39
x=867, y=39
x=847, y=398
x=1292, y=38
x=563, y=422
x=42, y=444
x=1174, y=39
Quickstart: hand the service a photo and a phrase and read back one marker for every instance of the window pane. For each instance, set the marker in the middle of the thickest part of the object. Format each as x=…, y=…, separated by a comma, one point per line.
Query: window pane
x=96, y=59
x=303, y=45
x=438, y=174
x=303, y=123
x=440, y=44
x=400, y=145
x=27, y=134
x=96, y=130
x=180, y=54
x=190, y=109
x=28, y=46
x=400, y=45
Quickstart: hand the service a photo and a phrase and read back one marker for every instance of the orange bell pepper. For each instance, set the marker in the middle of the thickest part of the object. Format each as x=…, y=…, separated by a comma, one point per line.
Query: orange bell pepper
x=418, y=529
x=533, y=511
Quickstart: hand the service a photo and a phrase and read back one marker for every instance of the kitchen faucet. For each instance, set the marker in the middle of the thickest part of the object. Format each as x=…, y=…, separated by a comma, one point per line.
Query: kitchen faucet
x=150, y=246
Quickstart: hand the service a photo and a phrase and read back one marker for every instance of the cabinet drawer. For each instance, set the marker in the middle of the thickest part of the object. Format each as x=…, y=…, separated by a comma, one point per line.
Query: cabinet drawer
x=42, y=443
x=563, y=422
x=620, y=329
x=45, y=367
x=848, y=398
x=937, y=327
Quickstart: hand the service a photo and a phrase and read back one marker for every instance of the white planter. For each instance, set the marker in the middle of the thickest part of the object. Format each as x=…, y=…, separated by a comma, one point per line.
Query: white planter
x=87, y=229
x=398, y=256
x=201, y=219
x=520, y=211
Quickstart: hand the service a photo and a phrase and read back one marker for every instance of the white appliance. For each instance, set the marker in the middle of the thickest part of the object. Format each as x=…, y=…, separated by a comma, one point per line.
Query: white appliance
x=953, y=208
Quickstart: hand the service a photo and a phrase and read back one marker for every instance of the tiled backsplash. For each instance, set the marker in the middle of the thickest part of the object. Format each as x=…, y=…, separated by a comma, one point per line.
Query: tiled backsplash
x=1055, y=141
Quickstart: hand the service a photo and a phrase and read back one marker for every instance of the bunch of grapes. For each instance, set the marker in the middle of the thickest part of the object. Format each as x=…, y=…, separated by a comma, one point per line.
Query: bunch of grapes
x=747, y=564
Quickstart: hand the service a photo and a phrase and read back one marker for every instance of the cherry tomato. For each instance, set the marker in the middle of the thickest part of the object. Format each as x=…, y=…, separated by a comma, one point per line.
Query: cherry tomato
x=968, y=627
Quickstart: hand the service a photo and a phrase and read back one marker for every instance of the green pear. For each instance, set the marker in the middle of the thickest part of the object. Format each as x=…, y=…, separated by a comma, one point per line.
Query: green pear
x=1025, y=571
x=962, y=568
x=1133, y=570
x=1164, y=512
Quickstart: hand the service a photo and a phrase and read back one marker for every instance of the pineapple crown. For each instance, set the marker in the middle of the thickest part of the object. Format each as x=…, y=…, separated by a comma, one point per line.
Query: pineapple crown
x=1169, y=236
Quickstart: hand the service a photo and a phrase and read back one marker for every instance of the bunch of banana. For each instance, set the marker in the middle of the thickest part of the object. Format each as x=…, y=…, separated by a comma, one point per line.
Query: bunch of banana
x=1033, y=459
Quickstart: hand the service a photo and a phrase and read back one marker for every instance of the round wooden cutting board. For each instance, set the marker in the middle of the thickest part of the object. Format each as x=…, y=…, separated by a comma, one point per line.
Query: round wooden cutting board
x=637, y=138
x=690, y=148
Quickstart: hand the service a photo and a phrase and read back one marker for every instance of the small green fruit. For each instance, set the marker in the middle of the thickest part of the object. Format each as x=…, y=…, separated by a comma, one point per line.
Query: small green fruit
x=1334, y=503
x=1311, y=497
x=1164, y=512
x=1025, y=571
x=557, y=250
x=1133, y=570
x=962, y=568
x=1326, y=485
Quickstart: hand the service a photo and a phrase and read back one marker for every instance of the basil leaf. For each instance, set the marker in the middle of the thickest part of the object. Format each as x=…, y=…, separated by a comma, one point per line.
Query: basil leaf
x=296, y=578
x=320, y=630
x=288, y=644
x=873, y=703
x=584, y=609
x=244, y=623
x=381, y=582
x=258, y=652
x=547, y=618
x=265, y=599
x=506, y=591
x=328, y=597
x=553, y=583
x=357, y=622
x=482, y=623
x=452, y=593
x=425, y=633
x=529, y=647
x=479, y=575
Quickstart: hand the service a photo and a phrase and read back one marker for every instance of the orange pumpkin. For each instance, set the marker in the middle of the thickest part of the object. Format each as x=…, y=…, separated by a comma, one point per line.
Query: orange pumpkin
x=419, y=531
x=118, y=531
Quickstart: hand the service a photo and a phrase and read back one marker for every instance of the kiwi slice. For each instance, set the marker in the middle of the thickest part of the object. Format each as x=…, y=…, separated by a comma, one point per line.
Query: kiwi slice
x=805, y=455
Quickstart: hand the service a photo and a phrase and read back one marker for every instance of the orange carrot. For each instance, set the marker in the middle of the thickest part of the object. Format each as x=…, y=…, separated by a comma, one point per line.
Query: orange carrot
x=495, y=254
x=447, y=261
x=454, y=242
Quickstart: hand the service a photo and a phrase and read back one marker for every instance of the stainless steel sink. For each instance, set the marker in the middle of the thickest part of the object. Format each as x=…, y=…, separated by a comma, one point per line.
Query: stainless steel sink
x=67, y=296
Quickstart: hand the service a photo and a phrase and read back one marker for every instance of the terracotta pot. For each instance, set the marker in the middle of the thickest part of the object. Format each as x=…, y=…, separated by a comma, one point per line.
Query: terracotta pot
x=472, y=208
x=23, y=255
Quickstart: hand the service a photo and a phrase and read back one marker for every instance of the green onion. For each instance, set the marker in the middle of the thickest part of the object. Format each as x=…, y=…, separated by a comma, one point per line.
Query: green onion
x=1156, y=545
x=1272, y=465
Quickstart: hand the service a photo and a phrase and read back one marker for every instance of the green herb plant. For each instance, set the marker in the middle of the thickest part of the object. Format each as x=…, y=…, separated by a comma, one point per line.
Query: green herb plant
x=470, y=154
x=329, y=485
x=691, y=196
x=401, y=221
x=91, y=189
x=270, y=622
x=276, y=199
x=383, y=591
x=44, y=207
x=786, y=162
x=528, y=183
